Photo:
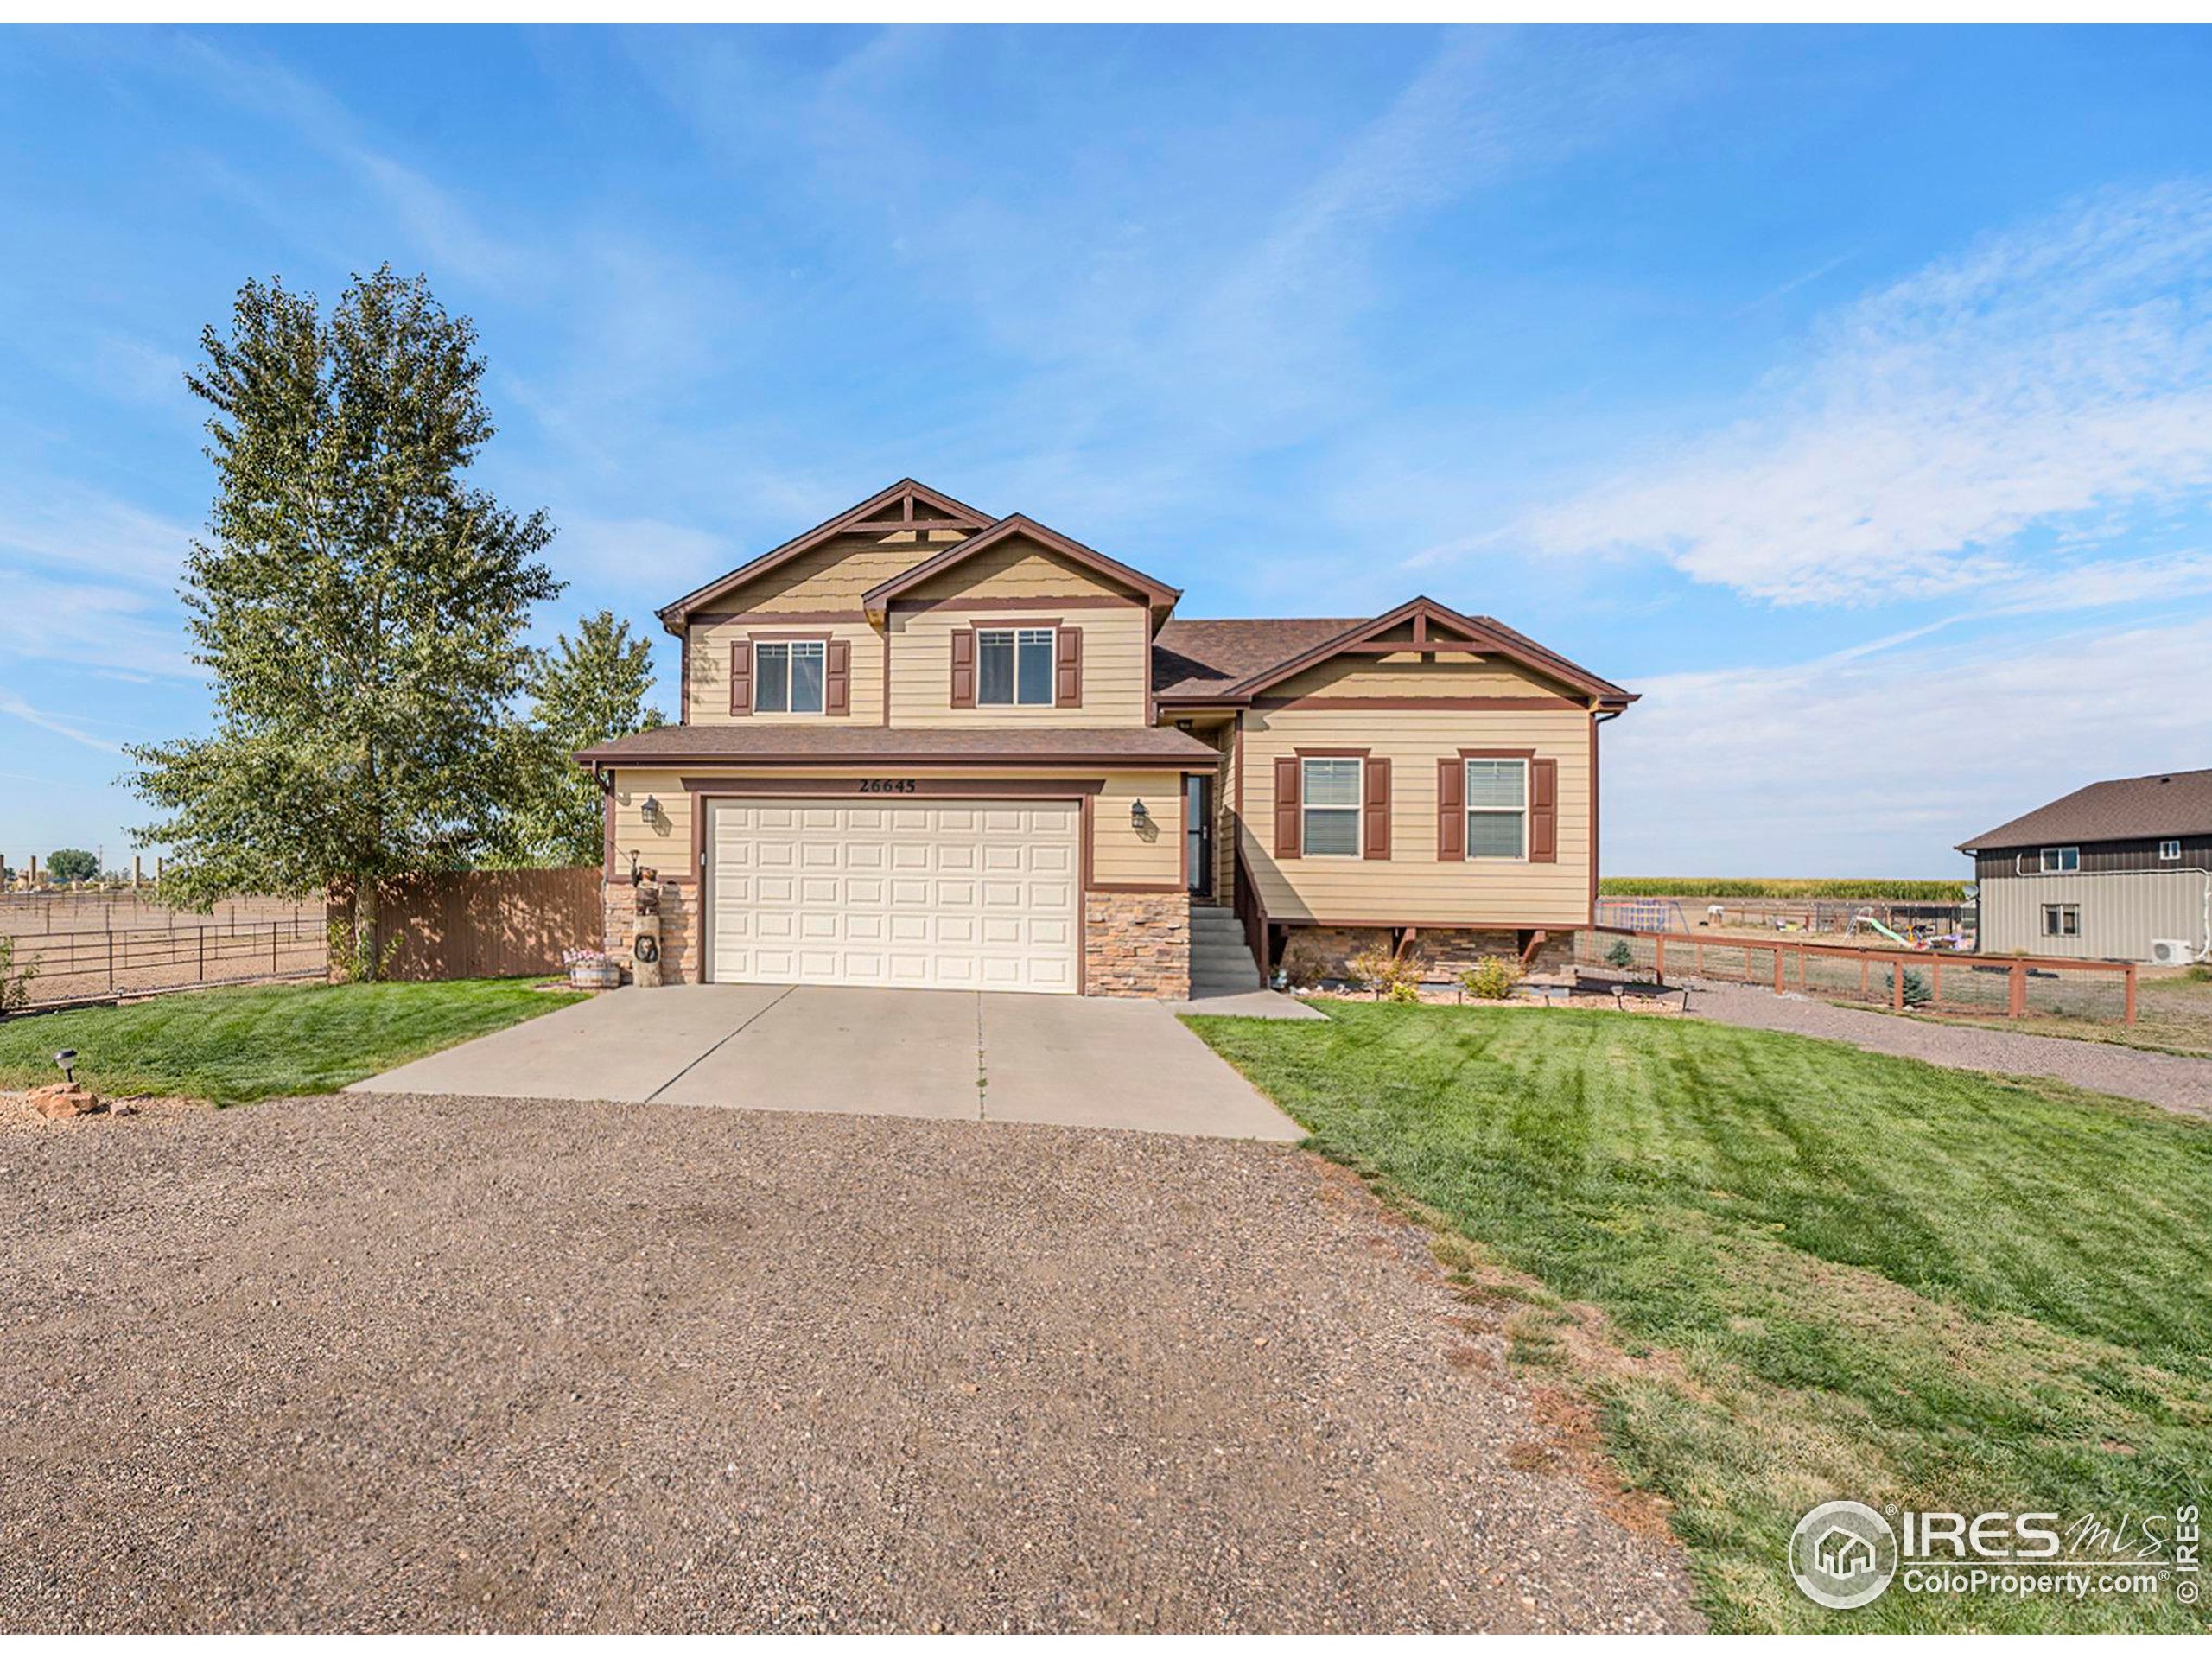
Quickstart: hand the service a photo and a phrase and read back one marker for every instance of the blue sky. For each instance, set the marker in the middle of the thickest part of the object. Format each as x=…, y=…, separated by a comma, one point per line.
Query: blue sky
x=1849, y=394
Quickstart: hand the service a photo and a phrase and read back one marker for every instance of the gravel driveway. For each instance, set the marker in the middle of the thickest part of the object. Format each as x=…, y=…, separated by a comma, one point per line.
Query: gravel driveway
x=424, y=1362
x=2173, y=1081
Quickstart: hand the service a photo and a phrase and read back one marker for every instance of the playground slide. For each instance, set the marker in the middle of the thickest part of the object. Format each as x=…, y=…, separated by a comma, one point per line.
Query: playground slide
x=1858, y=922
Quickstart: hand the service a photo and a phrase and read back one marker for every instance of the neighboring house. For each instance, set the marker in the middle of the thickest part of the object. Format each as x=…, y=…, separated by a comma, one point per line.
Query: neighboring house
x=922, y=746
x=2102, y=872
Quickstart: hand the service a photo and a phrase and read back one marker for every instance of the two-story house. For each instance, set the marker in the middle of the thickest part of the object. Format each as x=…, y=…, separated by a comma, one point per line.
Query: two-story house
x=922, y=746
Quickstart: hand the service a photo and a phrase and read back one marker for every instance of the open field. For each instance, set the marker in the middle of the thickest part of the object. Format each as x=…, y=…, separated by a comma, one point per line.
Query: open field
x=274, y=1040
x=1714, y=886
x=1786, y=1270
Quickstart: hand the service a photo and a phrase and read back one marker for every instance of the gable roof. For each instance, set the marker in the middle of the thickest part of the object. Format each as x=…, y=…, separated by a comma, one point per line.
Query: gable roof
x=1204, y=655
x=1233, y=661
x=910, y=505
x=2170, y=803
x=1019, y=524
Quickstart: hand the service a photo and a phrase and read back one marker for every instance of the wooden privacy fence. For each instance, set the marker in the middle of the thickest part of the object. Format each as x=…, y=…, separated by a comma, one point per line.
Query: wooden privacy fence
x=1941, y=981
x=481, y=924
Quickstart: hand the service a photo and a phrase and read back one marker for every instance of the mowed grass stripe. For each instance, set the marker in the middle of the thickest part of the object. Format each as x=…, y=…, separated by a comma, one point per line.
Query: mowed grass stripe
x=1851, y=1275
x=260, y=1041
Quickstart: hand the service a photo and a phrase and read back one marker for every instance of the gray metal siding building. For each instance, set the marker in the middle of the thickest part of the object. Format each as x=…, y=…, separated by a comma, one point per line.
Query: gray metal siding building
x=2102, y=873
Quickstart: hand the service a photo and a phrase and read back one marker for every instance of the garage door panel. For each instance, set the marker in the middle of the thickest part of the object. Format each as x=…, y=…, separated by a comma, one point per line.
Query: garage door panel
x=958, y=895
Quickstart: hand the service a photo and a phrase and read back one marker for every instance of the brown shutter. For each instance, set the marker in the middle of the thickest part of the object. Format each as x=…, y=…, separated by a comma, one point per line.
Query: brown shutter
x=1067, y=663
x=837, y=677
x=1543, y=811
x=1289, y=787
x=1376, y=841
x=740, y=677
x=1452, y=809
x=964, y=668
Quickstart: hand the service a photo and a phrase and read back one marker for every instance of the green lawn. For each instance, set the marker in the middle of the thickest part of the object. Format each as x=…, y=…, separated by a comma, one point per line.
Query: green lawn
x=1825, y=1273
x=263, y=1040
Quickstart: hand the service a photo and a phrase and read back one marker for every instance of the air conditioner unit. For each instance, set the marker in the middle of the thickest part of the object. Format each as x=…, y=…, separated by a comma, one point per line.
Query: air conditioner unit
x=2172, y=953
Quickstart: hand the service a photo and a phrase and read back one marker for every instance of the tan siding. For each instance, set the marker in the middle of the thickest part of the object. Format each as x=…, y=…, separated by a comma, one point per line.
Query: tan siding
x=1016, y=567
x=832, y=577
x=1412, y=886
x=1116, y=668
x=1119, y=853
x=710, y=644
x=1407, y=676
x=664, y=844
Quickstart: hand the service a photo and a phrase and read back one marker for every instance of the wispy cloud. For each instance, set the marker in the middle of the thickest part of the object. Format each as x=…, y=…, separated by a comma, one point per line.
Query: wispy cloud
x=13, y=705
x=435, y=220
x=1856, y=763
x=68, y=526
x=2051, y=376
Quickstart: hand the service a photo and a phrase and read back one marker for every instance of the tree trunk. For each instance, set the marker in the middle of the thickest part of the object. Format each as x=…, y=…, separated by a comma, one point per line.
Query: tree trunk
x=368, y=958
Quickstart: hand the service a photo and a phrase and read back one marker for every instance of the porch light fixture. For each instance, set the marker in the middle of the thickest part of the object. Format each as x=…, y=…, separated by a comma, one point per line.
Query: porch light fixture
x=1137, y=814
x=650, y=808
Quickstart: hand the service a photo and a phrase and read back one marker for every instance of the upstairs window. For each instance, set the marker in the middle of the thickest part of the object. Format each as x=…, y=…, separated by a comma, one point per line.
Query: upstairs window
x=2170, y=851
x=2061, y=921
x=1014, y=667
x=1329, y=792
x=2057, y=861
x=787, y=676
x=1497, y=809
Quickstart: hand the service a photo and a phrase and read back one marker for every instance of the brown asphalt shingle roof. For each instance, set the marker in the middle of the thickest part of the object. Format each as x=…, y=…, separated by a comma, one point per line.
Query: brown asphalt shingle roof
x=755, y=742
x=1199, y=658
x=1191, y=658
x=2120, y=809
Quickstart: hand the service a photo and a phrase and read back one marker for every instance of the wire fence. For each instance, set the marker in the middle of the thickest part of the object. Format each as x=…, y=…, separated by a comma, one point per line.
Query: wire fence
x=1937, y=981
x=85, y=964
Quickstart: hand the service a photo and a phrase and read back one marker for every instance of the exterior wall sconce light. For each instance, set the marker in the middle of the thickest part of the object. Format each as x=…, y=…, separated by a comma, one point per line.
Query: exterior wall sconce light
x=1137, y=814
x=650, y=808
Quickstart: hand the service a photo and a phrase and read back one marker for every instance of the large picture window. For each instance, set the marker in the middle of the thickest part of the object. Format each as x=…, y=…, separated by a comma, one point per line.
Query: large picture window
x=1497, y=809
x=787, y=676
x=1014, y=667
x=1329, y=792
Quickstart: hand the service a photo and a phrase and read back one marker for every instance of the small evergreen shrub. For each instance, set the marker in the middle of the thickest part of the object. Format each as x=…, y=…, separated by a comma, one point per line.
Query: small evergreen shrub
x=1491, y=979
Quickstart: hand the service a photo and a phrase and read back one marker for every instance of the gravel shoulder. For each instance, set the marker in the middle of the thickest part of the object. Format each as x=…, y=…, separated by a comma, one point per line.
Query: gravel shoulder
x=422, y=1363
x=2175, y=1082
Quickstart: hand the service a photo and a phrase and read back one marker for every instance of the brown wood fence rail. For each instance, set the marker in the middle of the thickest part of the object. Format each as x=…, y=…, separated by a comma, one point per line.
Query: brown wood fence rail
x=1846, y=971
x=482, y=923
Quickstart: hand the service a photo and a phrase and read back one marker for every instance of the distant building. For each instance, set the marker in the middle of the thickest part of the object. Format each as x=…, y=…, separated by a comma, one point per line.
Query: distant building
x=2103, y=872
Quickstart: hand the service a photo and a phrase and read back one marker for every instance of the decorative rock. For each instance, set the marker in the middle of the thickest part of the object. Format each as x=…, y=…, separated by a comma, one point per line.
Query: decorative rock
x=63, y=1100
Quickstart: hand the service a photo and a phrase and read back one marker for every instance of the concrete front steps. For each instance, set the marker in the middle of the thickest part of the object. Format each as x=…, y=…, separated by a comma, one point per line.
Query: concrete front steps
x=1221, y=962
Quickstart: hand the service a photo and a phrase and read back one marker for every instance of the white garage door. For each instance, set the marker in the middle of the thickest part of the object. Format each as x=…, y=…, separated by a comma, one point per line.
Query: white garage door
x=952, y=895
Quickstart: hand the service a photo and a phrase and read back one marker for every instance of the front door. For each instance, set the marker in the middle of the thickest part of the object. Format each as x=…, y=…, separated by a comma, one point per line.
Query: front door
x=1198, y=831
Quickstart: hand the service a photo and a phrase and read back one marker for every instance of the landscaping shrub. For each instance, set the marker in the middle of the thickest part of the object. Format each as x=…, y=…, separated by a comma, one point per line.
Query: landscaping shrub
x=1491, y=979
x=15, y=982
x=1621, y=956
x=1392, y=978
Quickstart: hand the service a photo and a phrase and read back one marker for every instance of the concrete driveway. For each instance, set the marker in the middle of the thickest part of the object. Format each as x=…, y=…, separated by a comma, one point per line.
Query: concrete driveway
x=1084, y=1062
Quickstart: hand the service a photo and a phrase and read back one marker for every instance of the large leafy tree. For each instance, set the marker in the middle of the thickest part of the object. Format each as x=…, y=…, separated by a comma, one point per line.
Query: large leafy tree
x=72, y=864
x=360, y=605
x=583, y=691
